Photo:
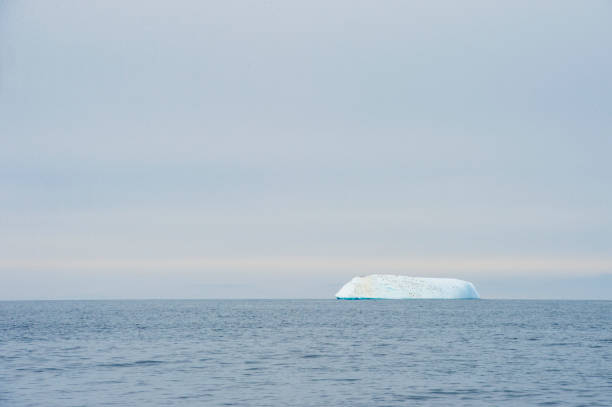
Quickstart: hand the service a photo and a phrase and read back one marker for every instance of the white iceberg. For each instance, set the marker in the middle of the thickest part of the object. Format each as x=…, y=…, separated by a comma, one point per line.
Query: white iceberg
x=388, y=286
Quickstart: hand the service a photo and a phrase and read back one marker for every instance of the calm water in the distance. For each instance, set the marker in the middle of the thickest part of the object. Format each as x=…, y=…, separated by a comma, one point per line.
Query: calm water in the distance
x=306, y=353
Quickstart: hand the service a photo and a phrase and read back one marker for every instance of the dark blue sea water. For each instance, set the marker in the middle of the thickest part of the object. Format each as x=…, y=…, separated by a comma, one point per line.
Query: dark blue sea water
x=306, y=353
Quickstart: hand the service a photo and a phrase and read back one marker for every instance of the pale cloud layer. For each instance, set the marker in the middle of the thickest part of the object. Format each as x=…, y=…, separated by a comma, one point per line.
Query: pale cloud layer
x=514, y=267
x=234, y=148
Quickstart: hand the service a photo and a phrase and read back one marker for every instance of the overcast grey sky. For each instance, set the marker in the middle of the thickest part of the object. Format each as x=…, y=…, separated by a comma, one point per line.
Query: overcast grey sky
x=197, y=149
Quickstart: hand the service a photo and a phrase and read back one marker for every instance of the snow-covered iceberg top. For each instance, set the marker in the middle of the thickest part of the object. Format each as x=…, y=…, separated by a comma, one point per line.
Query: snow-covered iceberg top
x=389, y=286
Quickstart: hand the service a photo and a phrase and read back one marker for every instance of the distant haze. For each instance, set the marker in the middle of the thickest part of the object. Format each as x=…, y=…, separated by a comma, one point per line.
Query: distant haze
x=276, y=149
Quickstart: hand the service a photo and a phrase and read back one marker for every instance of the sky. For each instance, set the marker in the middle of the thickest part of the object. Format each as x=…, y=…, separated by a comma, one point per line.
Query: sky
x=276, y=149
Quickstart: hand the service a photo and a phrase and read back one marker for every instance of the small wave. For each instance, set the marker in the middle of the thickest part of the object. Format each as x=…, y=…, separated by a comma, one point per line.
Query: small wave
x=312, y=356
x=561, y=344
x=132, y=364
x=40, y=369
x=413, y=397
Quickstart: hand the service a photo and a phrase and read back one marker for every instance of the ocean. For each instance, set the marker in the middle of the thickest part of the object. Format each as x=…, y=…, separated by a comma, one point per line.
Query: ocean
x=306, y=353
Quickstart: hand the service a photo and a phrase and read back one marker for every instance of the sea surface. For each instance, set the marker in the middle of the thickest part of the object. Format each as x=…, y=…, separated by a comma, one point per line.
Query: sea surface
x=306, y=353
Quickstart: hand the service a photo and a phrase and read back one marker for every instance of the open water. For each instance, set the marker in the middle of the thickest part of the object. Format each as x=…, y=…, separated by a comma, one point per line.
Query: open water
x=306, y=353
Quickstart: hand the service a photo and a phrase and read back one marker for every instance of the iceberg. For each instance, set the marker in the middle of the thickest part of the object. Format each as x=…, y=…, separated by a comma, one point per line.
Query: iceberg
x=388, y=286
